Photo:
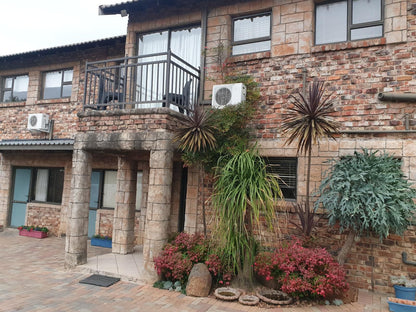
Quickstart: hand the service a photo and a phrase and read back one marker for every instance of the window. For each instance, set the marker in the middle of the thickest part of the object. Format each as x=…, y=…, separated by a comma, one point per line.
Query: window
x=348, y=20
x=47, y=185
x=251, y=34
x=57, y=84
x=104, y=189
x=15, y=88
x=286, y=171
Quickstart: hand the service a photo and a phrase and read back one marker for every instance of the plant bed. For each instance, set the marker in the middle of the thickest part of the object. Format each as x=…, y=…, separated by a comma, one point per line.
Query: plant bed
x=227, y=293
x=401, y=305
x=273, y=296
x=32, y=231
x=101, y=241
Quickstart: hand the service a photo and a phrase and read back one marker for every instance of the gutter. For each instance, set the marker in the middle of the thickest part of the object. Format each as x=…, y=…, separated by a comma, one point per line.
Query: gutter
x=397, y=97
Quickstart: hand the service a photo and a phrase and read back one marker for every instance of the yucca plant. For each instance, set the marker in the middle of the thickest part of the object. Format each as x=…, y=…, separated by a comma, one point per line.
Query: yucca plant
x=243, y=191
x=307, y=122
x=196, y=136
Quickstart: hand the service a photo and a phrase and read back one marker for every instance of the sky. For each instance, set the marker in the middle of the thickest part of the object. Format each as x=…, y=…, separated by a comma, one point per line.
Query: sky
x=28, y=25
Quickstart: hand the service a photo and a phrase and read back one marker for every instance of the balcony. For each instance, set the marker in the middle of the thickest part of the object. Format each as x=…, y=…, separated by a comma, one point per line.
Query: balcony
x=149, y=81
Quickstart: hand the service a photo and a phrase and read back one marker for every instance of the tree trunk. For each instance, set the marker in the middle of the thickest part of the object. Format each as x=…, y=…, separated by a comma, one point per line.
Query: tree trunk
x=343, y=253
x=204, y=220
x=308, y=228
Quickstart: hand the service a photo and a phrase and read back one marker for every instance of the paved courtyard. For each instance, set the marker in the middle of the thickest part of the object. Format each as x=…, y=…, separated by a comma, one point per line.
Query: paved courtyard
x=33, y=278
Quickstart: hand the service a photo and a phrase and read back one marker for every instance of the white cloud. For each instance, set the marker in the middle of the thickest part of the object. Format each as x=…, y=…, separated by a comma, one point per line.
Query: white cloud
x=28, y=25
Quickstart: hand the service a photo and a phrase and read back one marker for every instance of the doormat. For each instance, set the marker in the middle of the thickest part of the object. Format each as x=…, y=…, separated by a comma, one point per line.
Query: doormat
x=100, y=280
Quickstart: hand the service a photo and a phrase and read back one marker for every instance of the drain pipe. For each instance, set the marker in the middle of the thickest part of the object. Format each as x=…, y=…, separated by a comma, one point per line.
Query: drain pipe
x=397, y=97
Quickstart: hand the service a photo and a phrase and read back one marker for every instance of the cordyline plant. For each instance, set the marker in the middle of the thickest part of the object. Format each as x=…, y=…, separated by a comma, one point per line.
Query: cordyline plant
x=243, y=191
x=367, y=193
x=195, y=136
x=309, y=121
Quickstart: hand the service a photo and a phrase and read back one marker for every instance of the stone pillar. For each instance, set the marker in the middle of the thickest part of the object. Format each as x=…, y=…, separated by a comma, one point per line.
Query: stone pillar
x=124, y=214
x=158, y=207
x=77, y=224
x=5, y=187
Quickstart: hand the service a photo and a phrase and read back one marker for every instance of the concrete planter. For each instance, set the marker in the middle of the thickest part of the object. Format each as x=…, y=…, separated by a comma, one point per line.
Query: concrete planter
x=106, y=243
x=35, y=234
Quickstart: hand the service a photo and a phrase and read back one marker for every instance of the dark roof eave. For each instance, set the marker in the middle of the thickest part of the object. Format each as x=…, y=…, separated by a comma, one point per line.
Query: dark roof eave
x=64, y=48
x=37, y=145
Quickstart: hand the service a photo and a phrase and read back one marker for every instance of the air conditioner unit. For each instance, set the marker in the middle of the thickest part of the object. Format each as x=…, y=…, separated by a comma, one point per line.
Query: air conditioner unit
x=228, y=94
x=38, y=123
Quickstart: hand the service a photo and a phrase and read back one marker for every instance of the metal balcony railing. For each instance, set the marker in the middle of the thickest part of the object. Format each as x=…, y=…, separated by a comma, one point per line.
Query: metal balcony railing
x=153, y=80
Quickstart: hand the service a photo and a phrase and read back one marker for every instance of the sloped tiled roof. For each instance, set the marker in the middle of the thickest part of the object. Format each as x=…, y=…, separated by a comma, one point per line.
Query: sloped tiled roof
x=56, y=144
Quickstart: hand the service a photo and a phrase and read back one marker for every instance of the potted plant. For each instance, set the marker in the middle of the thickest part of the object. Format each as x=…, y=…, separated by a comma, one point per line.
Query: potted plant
x=101, y=241
x=404, y=288
x=33, y=231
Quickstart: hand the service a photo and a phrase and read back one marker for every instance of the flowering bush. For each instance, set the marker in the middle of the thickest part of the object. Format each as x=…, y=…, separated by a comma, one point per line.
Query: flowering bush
x=302, y=272
x=99, y=236
x=33, y=228
x=220, y=274
x=178, y=257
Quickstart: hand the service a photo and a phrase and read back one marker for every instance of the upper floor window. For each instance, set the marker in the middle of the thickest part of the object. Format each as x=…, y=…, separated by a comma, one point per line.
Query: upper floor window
x=285, y=169
x=348, y=20
x=57, y=84
x=15, y=88
x=251, y=34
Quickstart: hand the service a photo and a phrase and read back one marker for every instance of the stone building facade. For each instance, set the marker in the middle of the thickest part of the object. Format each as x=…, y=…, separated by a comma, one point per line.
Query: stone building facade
x=120, y=137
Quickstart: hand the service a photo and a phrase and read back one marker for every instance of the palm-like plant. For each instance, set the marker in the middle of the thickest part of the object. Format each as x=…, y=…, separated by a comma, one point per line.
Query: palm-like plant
x=243, y=191
x=196, y=136
x=308, y=121
x=197, y=132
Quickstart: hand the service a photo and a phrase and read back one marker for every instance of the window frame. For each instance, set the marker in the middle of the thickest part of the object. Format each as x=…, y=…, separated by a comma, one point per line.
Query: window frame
x=49, y=185
x=350, y=25
x=276, y=160
x=4, y=89
x=101, y=190
x=254, y=40
x=63, y=83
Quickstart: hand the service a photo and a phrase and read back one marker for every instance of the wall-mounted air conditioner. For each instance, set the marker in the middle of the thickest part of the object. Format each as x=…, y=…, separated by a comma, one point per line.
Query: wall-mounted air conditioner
x=38, y=123
x=228, y=94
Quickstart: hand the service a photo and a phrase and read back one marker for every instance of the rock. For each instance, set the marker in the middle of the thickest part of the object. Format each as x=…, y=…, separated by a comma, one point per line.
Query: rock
x=199, y=281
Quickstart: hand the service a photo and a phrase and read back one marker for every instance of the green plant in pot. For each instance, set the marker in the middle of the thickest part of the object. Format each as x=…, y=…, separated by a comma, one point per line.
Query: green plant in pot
x=404, y=287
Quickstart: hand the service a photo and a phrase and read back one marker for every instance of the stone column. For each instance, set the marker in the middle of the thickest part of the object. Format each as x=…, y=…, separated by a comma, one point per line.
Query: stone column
x=77, y=224
x=124, y=214
x=5, y=186
x=158, y=207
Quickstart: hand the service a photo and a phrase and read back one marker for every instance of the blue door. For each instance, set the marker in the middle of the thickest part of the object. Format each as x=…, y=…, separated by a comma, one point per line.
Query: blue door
x=20, y=196
x=94, y=198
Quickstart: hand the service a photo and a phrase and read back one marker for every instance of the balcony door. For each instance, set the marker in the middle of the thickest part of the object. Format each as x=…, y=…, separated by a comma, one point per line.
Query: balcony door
x=151, y=76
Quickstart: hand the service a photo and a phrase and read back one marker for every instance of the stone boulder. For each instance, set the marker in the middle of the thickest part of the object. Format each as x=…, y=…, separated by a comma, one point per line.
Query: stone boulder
x=199, y=281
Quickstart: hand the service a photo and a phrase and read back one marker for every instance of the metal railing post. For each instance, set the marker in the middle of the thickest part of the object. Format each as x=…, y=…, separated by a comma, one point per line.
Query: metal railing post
x=168, y=63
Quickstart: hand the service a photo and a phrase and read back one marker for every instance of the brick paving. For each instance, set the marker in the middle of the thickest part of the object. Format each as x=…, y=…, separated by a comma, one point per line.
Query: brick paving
x=33, y=278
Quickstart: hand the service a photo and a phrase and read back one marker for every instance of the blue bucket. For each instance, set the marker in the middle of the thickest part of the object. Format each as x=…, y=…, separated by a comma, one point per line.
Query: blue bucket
x=402, y=292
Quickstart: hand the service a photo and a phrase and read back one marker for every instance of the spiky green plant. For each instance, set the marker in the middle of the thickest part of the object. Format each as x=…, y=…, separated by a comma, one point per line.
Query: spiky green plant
x=196, y=134
x=243, y=191
x=366, y=193
x=308, y=121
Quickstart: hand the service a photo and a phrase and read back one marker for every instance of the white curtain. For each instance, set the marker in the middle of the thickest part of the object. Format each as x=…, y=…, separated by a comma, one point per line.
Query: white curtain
x=41, y=185
x=110, y=189
x=139, y=190
x=185, y=43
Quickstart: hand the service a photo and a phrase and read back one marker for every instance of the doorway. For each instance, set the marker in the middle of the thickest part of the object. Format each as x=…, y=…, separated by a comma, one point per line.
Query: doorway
x=20, y=196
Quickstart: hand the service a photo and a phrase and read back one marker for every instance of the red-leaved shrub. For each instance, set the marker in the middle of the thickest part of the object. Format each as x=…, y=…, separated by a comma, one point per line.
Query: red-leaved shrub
x=177, y=257
x=302, y=272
